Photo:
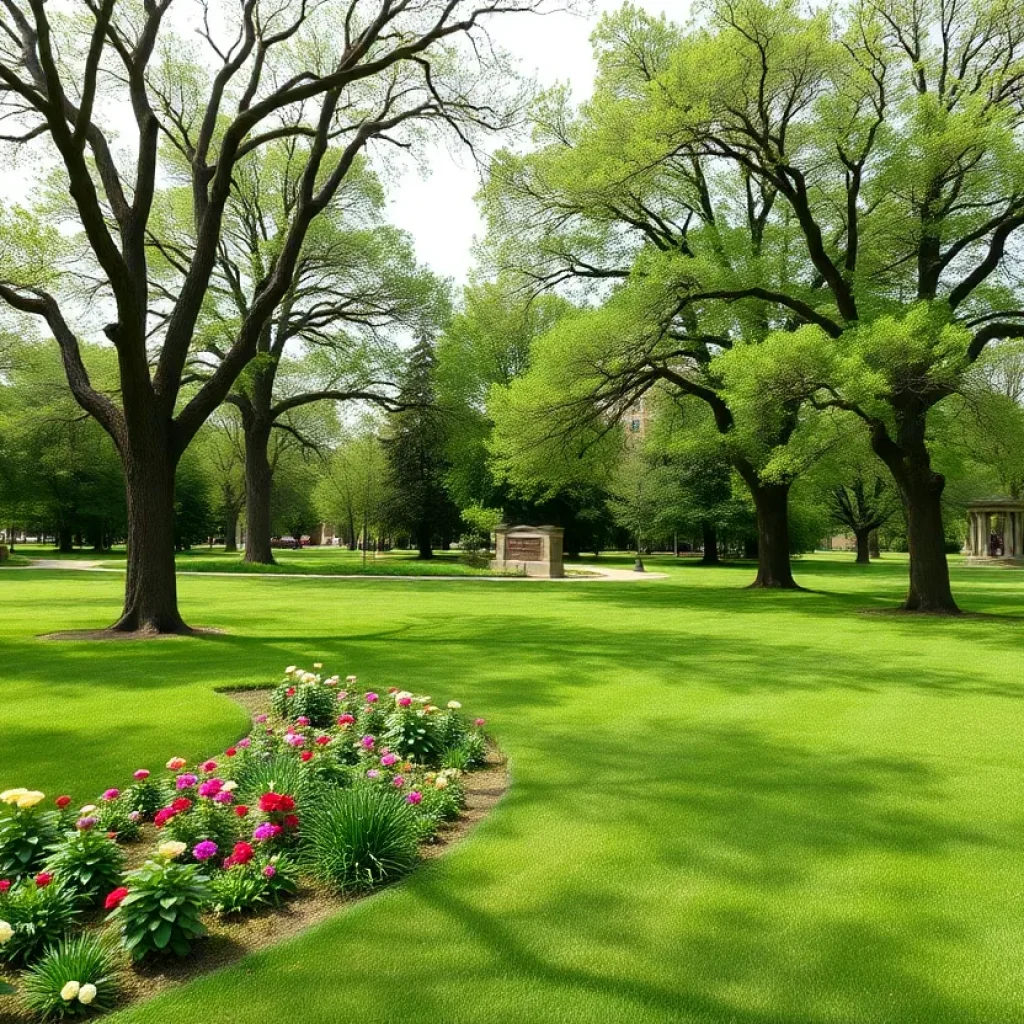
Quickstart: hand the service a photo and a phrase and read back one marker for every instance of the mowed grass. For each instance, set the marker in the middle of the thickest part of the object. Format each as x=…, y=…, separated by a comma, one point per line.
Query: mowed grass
x=728, y=805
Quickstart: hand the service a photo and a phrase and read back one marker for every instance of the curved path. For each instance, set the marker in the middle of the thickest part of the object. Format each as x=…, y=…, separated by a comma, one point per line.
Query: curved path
x=598, y=573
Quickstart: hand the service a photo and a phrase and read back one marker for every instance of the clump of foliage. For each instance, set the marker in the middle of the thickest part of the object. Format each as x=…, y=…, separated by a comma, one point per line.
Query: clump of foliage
x=35, y=913
x=25, y=832
x=87, y=861
x=75, y=978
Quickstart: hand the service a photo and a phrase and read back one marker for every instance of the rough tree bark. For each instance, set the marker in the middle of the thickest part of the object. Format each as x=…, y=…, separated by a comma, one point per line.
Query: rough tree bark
x=774, y=570
x=258, y=479
x=863, y=546
x=231, y=528
x=710, y=544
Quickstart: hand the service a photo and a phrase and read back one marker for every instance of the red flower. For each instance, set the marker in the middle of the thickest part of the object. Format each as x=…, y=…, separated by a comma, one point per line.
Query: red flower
x=111, y=835
x=322, y=740
x=345, y=719
x=163, y=816
x=241, y=854
x=115, y=898
x=241, y=810
x=43, y=879
x=62, y=801
x=306, y=755
x=271, y=803
x=290, y=691
x=181, y=804
x=5, y=884
x=208, y=766
x=291, y=821
x=230, y=752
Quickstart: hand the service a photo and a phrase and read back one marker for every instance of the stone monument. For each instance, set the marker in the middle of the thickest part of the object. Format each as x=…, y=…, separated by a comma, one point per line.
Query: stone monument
x=995, y=532
x=532, y=550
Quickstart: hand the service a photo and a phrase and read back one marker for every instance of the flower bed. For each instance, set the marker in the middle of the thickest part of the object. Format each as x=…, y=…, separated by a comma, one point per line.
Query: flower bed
x=333, y=793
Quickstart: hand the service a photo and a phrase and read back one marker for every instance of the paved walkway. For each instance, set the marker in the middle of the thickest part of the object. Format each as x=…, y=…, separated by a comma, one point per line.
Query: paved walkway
x=601, y=574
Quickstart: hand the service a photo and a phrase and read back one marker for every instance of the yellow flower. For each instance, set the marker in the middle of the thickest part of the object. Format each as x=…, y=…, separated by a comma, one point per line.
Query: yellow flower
x=6, y=931
x=171, y=850
x=86, y=994
x=70, y=991
x=431, y=707
x=454, y=705
x=30, y=799
x=11, y=796
x=318, y=664
x=308, y=677
x=442, y=782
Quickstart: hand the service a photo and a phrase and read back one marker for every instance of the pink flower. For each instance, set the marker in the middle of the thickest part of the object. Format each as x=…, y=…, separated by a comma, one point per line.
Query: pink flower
x=388, y=760
x=135, y=816
x=345, y=719
x=142, y=773
x=372, y=698
x=205, y=850
x=269, y=871
x=479, y=722
x=266, y=831
x=373, y=774
x=230, y=752
x=43, y=879
x=186, y=781
x=5, y=884
x=115, y=898
x=84, y=824
x=260, y=718
x=244, y=743
x=368, y=742
x=160, y=819
x=398, y=781
x=302, y=720
x=210, y=787
x=414, y=797
x=404, y=702
x=295, y=740
x=223, y=797
x=111, y=794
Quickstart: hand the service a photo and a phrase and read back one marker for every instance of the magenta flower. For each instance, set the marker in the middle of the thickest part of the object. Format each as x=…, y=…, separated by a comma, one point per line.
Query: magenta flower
x=111, y=794
x=372, y=698
x=269, y=871
x=223, y=797
x=373, y=774
x=302, y=720
x=295, y=740
x=211, y=787
x=84, y=824
x=388, y=759
x=142, y=773
x=244, y=743
x=205, y=850
x=414, y=797
x=398, y=781
x=404, y=702
x=186, y=781
x=368, y=742
x=266, y=831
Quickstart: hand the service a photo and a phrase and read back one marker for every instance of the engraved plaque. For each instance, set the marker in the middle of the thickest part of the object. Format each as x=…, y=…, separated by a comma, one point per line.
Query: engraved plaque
x=524, y=549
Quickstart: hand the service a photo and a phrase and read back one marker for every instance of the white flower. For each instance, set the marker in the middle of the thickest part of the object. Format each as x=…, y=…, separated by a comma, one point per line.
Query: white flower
x=289, y=670
x=70, y=991
x=318, y=664
x=171, y=850
x=442, y=782
x=88, y=809
x=229, y=787
x=11, y=796
x=86, y=994
x=308, y=677
x=350, y=679
x=6, y=932
x=454, y=705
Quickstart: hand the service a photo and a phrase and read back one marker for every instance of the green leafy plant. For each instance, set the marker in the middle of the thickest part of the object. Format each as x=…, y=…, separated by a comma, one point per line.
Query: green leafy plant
x=470, y=753
x=38, y=916
x=25, y=833
x=262, y=882
x=412, y=734
x=360, y=837
x=205, y=821
x=88, y=862
x=118, y=818
x=72, y=979
x=163, y=908
x=278, y=773
x=147, y=796
x=315, y=702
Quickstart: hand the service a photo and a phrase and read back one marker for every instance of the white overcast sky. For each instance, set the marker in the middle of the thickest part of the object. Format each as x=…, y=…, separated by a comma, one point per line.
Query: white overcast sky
x=439, y=209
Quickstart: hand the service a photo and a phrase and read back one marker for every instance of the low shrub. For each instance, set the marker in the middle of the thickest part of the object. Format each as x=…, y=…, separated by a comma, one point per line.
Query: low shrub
x=204, y=822
x=160, y=911
x=360, y=837
x=25, y=832
x=117, y=818
x=253, y=883
x=35, y=913
x=88, y=862
x=412, y=733
x=147, y=795
x=72, y=979
x=470, y=753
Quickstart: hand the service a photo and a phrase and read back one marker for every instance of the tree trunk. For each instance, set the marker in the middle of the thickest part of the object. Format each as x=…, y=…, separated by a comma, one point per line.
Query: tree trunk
x=920, y=491
x=773, y=565
x=151, y=590
x=424, y=536
x=710, y=544
x=231, y=528
x=873, y=548
x=257, y=492
x=65, y=540
x=863, y=547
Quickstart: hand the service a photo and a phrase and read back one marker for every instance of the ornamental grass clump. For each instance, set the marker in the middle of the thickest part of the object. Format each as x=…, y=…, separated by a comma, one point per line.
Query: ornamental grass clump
x=35, y=913
x=361, y=837
x=26, y=830
x=87, y=861
x=162, y=908
x=75, y=978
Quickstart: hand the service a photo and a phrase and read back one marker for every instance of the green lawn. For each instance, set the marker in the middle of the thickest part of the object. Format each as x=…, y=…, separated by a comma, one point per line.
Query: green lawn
x=333, y=561
x=728, y=805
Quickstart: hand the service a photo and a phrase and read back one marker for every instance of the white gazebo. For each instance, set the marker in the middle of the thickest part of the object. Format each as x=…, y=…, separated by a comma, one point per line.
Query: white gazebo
x=995, y=530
